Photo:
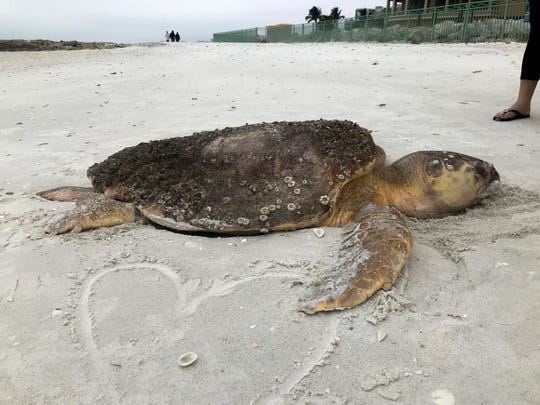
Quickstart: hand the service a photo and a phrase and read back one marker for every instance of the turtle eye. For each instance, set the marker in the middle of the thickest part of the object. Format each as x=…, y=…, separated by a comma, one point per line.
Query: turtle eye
x=434, y=167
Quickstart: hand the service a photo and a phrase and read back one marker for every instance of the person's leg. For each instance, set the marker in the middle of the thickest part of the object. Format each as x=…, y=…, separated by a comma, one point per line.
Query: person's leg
x=522, y=103
x=530, y=72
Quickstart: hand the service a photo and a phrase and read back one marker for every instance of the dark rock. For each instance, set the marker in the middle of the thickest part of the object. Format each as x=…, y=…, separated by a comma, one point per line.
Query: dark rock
x=46, y=45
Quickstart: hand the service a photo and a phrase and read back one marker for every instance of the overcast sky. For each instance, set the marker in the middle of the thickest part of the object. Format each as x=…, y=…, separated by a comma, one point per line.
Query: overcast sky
x=147, y=20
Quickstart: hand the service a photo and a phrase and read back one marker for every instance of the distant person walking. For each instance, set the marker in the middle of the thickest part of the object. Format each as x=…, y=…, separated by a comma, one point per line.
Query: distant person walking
x=167, y=37
x=530, y=72
x=172, y=36
x=177, y=37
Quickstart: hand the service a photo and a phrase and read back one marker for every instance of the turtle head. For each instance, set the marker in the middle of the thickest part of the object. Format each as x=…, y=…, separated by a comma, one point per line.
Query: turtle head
x=440, y=183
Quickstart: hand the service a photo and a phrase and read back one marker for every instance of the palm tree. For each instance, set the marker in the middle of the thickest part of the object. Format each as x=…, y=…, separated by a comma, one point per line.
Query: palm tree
x=335, y=14
x=329, y=22
x=314, y=15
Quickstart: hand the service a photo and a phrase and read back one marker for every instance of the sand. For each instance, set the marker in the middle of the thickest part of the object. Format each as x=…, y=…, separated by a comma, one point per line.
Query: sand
x=103, y=316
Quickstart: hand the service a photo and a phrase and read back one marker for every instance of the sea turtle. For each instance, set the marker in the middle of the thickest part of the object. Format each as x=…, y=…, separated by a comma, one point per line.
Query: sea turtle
x=280, y=176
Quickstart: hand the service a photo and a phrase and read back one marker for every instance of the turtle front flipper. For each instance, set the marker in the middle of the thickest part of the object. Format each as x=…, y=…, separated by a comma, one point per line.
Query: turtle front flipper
x=92, y=210
x=375, y=246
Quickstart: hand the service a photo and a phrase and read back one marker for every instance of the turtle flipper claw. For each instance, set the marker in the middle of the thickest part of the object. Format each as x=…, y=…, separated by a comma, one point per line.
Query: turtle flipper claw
x=375, y=245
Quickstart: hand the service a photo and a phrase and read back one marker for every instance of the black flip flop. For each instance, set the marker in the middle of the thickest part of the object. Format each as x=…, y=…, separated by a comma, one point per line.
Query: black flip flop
x=517, y=115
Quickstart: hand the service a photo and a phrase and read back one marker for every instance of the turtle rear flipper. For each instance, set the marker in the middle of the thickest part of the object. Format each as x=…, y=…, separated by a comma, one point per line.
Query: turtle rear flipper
x=92, y=210
x=65, y=193
x=375, y=245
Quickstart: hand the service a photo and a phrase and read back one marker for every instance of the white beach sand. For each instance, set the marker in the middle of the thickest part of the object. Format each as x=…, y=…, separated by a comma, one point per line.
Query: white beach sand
x=102, y=316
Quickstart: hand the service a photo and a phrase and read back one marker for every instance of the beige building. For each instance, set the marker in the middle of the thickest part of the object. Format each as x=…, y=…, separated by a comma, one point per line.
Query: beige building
x=405, y=5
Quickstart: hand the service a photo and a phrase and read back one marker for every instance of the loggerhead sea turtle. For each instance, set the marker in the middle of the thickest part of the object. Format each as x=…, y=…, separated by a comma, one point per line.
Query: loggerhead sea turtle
x=282, y=176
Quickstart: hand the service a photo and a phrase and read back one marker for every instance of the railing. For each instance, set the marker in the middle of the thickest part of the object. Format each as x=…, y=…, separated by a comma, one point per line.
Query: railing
x=478, y=21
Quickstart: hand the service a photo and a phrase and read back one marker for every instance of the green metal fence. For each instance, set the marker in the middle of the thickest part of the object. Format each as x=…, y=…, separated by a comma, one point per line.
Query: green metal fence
x=477, y=21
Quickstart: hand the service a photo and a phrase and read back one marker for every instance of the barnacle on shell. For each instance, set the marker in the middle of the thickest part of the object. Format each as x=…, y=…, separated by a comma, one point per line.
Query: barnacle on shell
x=324, y=200
x=243, y=221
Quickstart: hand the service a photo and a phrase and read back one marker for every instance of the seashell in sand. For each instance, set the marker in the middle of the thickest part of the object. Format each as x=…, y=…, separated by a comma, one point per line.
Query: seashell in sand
x=319, y=232
x=187, y=359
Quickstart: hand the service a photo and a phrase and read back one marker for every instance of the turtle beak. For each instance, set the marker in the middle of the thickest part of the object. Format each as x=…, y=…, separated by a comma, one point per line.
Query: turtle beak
x=489, y=176
x=494, y=174
x=494, y=181
x=486, y=172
